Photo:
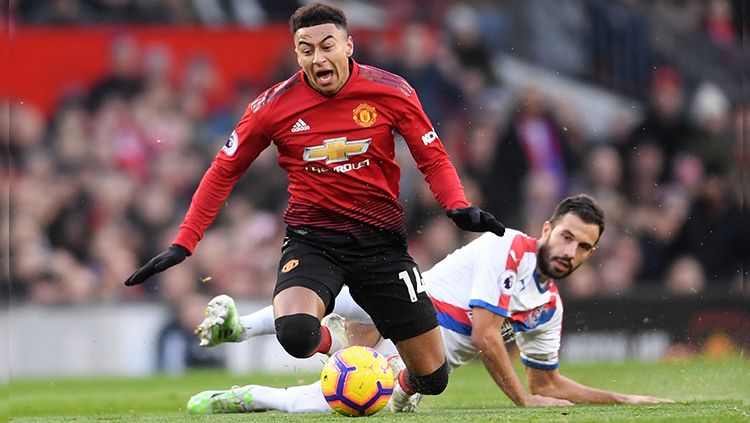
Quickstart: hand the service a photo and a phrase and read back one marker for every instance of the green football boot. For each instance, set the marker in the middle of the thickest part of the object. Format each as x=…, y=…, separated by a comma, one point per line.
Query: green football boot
x=239, y=399
x=222, y=324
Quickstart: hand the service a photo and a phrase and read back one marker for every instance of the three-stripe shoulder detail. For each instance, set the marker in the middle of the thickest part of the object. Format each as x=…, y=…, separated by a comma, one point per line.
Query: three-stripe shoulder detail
x=273, y=92
x=386, y=78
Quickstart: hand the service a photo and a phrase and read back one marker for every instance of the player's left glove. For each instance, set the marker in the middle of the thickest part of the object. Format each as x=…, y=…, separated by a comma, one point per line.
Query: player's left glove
x=475, y=219
x=166, y=259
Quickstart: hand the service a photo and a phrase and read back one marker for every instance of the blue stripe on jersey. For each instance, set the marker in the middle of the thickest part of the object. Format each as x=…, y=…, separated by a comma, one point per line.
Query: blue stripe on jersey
x=539, y=287
x=518, y=326
x=493, y=308
x=526, y=326
x=448, y=322
x=540, y=366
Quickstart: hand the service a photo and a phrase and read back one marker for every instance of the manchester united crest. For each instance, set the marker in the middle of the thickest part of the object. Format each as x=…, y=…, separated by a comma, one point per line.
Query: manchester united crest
x=365, y=115
x=291, y=264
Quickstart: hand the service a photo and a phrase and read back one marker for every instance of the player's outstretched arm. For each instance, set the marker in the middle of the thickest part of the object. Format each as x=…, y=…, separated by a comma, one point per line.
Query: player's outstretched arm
x=487, y=337
x=552, y=383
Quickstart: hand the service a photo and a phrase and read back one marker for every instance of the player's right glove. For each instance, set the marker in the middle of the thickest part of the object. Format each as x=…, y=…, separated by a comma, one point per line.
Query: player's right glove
x=166, y=259
x=475, y=219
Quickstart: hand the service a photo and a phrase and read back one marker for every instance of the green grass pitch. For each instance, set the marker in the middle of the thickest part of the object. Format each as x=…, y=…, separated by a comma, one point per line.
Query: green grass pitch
x=705, y=391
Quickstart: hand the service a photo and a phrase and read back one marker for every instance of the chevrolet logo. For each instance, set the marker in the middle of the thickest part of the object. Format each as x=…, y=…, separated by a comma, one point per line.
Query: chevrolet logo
x=336, y=150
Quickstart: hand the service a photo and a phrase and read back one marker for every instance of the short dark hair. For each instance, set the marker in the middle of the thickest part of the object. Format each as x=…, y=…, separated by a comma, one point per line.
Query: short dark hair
x=582, y=206
x=317, y=14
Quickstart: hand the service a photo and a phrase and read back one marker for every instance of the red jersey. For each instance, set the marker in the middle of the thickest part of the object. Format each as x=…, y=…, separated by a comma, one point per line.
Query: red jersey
x=338, y=153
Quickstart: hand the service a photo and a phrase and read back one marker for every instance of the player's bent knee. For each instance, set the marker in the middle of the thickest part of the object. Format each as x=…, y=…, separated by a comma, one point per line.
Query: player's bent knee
x=432, y=384
x=299, y=334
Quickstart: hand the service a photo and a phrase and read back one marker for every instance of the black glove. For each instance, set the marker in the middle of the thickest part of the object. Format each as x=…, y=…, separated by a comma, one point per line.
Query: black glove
x=166, y=259
x=475, y=219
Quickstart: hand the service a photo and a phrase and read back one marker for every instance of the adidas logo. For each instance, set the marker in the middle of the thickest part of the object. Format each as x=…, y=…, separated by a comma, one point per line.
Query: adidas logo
x=300, y=125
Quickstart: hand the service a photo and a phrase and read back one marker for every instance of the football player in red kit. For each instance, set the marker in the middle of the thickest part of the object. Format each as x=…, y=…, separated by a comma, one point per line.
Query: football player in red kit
x=333, y=123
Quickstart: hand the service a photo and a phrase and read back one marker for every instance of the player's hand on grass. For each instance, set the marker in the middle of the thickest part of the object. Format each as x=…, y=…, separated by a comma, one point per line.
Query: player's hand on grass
x=166, y=259
x=643, y=399
x=475, y=219
x=541, y=401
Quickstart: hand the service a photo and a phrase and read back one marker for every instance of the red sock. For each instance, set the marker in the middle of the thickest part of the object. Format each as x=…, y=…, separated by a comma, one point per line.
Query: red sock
x=402, y=380
x=325, y=341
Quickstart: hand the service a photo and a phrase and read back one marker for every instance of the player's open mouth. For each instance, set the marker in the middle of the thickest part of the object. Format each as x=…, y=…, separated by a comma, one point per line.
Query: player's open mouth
x=324, y=76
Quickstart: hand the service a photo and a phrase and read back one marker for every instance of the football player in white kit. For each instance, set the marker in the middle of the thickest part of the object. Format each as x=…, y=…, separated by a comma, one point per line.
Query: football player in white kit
x=491, y=283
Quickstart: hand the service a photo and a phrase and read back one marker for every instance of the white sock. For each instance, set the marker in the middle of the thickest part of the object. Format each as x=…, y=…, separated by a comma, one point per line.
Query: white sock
x=295, y=399
x=259, y=323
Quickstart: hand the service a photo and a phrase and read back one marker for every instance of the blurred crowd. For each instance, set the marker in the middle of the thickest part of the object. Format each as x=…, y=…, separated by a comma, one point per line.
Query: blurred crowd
x=102, y=184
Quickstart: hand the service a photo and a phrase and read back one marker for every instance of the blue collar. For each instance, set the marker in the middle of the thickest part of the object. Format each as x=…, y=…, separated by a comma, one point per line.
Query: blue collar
x=539, y=286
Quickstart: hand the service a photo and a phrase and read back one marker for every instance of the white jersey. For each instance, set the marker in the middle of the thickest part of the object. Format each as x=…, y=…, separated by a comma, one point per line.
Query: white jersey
x=495, y=273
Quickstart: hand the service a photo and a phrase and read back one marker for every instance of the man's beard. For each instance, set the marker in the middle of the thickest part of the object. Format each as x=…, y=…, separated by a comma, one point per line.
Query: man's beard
x=544, y=262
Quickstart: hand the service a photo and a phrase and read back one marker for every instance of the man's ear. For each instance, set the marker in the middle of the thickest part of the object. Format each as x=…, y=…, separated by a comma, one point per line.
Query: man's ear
x=349, y=46
x=546, y=229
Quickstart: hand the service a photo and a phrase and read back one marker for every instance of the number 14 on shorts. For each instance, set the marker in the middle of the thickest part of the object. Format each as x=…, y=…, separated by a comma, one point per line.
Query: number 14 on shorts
x=414, y=287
